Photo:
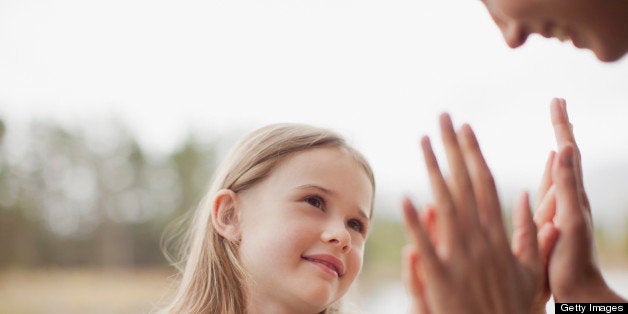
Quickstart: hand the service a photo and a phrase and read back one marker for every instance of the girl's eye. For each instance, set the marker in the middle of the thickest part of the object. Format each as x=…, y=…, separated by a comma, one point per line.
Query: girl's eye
x=315, y=201
x=356, y=225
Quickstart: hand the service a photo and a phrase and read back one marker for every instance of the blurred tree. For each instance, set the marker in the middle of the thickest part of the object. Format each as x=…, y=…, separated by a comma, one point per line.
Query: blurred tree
x=2, y=130
x=67, y=199
x=194, y=164
x=382, y=259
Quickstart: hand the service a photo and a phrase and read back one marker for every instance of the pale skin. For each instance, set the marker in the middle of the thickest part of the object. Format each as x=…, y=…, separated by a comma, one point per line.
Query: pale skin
x=312, y=211
x=565, y=261
x=574, y=273
x=600, y=26
x=459, y=259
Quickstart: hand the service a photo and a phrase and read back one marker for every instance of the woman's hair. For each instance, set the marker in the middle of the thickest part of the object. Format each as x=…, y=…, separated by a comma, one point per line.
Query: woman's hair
x=212, y=280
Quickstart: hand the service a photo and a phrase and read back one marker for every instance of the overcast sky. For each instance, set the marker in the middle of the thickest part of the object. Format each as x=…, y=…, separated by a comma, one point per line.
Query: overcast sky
x=379, y=72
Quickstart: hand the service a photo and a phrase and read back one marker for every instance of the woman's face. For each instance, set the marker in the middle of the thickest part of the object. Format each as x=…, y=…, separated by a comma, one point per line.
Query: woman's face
x=303, y=231
x=601, y=26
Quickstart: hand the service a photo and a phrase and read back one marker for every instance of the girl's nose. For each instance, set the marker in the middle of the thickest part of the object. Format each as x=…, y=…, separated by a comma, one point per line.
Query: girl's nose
x=337, y=235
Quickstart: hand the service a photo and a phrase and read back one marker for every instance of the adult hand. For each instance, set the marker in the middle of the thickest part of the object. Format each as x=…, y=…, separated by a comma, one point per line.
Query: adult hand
x=544, y=214
x=462, y=262
x=574, y=274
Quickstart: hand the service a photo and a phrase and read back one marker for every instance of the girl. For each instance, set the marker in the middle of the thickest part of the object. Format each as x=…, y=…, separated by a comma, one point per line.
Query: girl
x=282, y=228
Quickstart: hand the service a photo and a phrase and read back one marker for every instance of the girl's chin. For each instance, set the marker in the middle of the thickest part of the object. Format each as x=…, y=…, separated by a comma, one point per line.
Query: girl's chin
x=319, y=298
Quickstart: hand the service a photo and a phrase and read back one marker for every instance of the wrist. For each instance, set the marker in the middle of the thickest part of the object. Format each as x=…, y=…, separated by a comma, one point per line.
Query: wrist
x=538, y=308
x=594, y=290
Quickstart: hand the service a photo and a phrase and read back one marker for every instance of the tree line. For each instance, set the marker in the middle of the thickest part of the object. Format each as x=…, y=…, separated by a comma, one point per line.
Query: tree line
x=92, y=196
x=74, y=197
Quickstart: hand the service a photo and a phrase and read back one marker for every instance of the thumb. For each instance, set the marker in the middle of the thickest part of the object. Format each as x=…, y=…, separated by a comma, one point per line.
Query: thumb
x=547, y=236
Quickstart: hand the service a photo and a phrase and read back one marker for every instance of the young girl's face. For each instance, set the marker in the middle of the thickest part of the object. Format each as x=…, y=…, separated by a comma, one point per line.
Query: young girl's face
x=303, y=231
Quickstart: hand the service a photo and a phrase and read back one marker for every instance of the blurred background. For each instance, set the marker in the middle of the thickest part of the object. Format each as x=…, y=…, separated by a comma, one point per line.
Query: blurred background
x=114, y=114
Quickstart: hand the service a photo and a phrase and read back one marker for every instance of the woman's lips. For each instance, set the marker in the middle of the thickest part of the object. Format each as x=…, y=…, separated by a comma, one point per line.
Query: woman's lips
x=559, y=33
x=328, y=262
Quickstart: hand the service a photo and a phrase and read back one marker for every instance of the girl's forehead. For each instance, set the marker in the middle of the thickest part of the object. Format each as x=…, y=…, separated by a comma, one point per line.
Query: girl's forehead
x=320, y=161
x=331, y=168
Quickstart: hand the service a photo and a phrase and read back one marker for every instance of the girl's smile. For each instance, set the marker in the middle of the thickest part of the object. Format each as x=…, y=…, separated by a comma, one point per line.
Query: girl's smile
x=327, y=263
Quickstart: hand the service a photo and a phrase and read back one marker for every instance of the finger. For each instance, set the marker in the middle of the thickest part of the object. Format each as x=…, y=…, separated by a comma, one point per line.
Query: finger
x=568, y=205
x=413, y=280
x=447, y=224
x=461, y=187
x=418, y=237
x=546, y=210
x=525, y=245
x=563, y=131
x=560, y=122
x=484, y=186
x=411, y=275
x=428, y=219
x=547, y=236
x=546, y=180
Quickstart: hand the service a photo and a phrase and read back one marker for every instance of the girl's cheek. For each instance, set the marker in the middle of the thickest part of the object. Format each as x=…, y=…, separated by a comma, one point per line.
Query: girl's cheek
x=359, y=250
x=296, y=232
x=358, y=243
x=358, y=260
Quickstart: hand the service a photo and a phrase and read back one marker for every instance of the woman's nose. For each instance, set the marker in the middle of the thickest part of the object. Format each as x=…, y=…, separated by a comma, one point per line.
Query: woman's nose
x=514, y=34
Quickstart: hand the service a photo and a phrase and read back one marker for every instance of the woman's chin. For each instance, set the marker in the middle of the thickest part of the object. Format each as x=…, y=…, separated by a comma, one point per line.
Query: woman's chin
x=609, y=57
x=607, y=53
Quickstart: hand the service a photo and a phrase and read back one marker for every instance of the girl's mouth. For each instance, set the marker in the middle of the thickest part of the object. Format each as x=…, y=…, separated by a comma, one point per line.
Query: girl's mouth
x=327, y=262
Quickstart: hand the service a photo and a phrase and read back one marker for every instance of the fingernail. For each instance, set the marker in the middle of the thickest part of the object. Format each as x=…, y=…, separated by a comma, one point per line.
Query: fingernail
x=425, y=142
x=466, y=128
x=563, y=105
x=445, y=120
x=468, y=131
x=556, y=108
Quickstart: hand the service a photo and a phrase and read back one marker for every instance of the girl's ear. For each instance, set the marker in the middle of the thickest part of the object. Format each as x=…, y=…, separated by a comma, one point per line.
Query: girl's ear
x=226, y=215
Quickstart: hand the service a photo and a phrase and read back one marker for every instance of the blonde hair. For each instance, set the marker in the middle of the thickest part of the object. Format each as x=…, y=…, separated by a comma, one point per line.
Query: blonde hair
x=212, y=280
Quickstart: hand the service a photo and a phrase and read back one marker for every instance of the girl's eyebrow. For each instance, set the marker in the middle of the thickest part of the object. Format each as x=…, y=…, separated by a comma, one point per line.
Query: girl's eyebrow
x=317, y=187
x=331, y=193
